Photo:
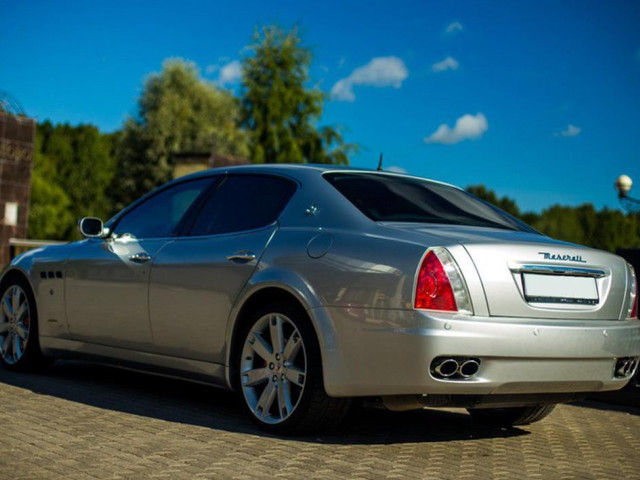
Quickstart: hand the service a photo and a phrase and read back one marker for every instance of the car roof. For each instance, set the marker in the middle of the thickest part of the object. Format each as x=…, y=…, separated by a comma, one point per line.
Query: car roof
x=293, y=168
x=276, y=167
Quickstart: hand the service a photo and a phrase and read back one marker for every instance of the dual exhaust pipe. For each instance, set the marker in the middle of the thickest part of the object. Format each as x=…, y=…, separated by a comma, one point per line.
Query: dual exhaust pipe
x=625, y=367
x=452, y=367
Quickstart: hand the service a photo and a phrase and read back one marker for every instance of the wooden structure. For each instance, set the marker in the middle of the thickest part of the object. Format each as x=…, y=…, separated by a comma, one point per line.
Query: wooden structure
x=17, y=136
x=189, y=162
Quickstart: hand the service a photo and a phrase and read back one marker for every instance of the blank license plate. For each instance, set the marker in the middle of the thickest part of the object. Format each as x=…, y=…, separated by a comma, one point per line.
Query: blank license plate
x=560, y=289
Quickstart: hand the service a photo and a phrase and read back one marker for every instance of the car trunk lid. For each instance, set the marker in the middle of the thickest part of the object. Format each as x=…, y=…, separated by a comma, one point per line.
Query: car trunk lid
x=529, y=275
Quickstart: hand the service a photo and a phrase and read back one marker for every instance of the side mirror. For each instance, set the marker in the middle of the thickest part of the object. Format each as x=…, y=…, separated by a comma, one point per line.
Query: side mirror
x=91, y=227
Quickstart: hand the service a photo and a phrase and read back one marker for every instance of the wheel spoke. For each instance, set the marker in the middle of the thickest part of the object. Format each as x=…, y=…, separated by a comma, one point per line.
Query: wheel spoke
x=284, y=398
x=292, y=347
x=261, y=347
x=4, y=327
x=6, y=307
x=254, y=377
x=266, y=399
x=295, y=376
x=6, y=344
x=277, y=336
x=17, y=347
x=22, y=309
x=15, y=299
x=22, y=331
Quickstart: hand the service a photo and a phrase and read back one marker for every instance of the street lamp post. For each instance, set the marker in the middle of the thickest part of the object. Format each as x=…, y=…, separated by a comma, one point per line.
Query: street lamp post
x=623, y=186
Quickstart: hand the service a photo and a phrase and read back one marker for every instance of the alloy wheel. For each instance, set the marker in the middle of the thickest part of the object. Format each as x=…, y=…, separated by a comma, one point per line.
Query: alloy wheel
x=273, y=369
x=14, y=324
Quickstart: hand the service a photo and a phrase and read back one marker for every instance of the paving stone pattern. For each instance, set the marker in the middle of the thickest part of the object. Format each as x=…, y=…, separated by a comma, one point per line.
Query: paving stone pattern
x=84, y=421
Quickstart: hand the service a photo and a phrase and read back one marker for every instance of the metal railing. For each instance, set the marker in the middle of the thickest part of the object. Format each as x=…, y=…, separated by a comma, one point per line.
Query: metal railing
x=19, y=245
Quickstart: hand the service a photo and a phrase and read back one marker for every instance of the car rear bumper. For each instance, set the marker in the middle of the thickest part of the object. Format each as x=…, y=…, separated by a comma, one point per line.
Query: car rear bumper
x=376, y=352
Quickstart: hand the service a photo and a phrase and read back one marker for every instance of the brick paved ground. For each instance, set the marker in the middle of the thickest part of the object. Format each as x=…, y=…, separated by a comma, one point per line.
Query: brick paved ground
x=86, y=421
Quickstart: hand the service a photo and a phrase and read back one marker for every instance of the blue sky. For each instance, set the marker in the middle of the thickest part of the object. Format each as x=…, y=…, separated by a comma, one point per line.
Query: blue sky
x=545, y=94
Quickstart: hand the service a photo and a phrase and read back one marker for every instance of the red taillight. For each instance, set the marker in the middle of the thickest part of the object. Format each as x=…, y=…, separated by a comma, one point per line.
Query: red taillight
x=433, y=288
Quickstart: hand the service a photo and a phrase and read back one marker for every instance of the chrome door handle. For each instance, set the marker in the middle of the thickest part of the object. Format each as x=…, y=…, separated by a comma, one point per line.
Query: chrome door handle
x=139, y=258
x=242, y=256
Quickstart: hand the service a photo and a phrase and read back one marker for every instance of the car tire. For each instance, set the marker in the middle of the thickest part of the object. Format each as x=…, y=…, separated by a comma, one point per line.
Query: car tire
x=511, y=416
x=19, y=341
x=279, y=373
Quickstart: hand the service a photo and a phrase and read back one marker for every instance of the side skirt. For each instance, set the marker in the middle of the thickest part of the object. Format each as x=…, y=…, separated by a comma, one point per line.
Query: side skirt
x=184, y=368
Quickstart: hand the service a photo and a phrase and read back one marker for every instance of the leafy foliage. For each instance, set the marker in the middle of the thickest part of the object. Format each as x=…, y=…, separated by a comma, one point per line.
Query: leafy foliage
x=279, y=111
x=604, y=229
x=178, y=112
x=505, y=203
x=73, y=168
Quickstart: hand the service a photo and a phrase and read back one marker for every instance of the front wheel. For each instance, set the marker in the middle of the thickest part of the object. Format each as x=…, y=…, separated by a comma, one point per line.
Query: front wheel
x=19, y=344
x=280, y=373
x=511, y=416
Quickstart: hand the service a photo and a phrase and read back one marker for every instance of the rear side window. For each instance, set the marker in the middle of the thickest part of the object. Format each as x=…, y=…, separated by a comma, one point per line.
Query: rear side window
x=243, y=202
x=388, y=198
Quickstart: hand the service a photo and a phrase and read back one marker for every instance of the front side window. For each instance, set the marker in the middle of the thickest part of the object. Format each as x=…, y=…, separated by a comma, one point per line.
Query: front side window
x=389, y=198
x=159, y=216
x=243, y=202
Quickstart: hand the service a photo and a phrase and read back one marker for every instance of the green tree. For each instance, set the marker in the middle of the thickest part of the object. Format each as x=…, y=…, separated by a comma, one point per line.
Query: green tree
x=49, y=215
x=605, y=229
x=178, y=112
x=73, y=168
x=279, y=111
x=562, y=223
x=616, y=230
x=505, y=203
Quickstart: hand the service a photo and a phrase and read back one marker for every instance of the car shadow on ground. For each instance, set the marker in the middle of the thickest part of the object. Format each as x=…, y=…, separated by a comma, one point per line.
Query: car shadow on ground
x=184, y=402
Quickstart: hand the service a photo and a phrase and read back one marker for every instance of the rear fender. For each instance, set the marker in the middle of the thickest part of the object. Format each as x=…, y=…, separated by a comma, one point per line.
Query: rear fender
x=295, y=286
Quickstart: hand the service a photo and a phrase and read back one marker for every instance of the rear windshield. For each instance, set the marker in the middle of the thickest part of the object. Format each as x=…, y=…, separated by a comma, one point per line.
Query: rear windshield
x=389, y=198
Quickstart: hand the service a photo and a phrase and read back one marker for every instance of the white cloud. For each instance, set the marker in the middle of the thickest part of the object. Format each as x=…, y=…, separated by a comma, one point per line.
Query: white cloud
x=343, y=90
x=230, y=73
x=454, y=27
x=395, y=169
x=571, y=131
x=467, y=127
x=379, y=72
x=448, y=63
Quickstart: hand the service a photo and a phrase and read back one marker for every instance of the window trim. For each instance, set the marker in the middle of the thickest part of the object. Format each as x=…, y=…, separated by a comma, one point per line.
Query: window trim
x=185, y=223
x=178, y=229
x=522, y=226
x=186, y=233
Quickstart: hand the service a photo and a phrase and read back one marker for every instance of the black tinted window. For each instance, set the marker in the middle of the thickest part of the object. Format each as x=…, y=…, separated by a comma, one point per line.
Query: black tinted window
x=159, y=215
x=387, y=198
x=243, y=202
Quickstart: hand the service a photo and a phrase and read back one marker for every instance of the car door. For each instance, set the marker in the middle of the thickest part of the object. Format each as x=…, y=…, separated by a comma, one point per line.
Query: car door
x=196, y=279
x=107, y=280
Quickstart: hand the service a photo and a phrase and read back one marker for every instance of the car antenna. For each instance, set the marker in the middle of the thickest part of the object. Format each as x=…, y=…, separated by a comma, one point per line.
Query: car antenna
x=380, y=163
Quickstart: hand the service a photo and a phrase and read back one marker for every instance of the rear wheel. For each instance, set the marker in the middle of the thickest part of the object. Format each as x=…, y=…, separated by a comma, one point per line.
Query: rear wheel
x=19, y=345
x=511, y=416
x=280, y=373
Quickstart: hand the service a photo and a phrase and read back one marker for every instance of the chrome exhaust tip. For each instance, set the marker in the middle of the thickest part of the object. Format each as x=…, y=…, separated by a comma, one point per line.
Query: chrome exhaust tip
x=469, y=368
x=447, y=368
x=625, y=367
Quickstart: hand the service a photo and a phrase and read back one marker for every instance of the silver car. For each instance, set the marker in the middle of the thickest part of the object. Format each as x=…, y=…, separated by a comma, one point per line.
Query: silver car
x=305, y=287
